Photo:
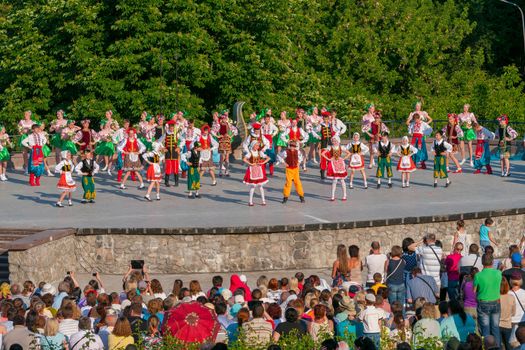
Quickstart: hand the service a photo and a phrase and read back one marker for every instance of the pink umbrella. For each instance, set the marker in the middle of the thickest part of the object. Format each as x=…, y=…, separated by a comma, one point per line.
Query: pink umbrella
x=191, y=323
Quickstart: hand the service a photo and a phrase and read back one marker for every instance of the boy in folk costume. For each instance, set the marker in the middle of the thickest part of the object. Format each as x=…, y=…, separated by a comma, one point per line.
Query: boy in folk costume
x=292, y=158
x=505, y=134
x=406, y=163
x=66, y=184
x=467, y=119
x=154, y=173
x=255, y=176
x=131, y=148
x=453, y=133
x=56, y=129
x=338, y=125
x=190, y=133
x=225, y=132
x=384, y=149
x=335, y=156
x=269, y=131
x=5, y=142
x=192, y=158
x=440, y=148
x=482, y=153
x=87, y=168
x=297, y=134
x=357, y=158
x=208, y=145
x=24, y=128
x=118, y=137
x=34, y=143
x=419, y=130
x=325, y=131
x=171, y=143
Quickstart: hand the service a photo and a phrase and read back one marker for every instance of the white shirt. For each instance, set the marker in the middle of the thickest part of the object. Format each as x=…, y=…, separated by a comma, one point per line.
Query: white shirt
x=68, y=327
x=84, y=340
x=469, y=260
x=371, y=317
x=375, y=263
x=429, y=263
x=519, y=295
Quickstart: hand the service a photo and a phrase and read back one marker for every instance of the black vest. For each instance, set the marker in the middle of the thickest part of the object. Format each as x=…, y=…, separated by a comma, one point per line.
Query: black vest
x=439, y=148
x=87, y=166
x=384, y=151
x=194, y=158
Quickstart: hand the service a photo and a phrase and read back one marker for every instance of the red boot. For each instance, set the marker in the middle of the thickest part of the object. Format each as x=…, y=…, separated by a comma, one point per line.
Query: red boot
x=489, y=170
x=423, y=165
x=478, y=171
x=271, y=169
x=37, y=180
x=183, y=175
x=32, y=179
x=119, y=176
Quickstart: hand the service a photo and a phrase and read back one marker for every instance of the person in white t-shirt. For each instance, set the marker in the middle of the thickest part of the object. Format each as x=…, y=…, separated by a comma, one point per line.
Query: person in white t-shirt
x=372, y=319
x=430, y=256
x=519, y=295
x=374, y=263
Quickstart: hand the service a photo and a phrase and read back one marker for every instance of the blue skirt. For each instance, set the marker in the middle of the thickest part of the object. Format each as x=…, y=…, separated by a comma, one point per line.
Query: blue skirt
x=421, y=155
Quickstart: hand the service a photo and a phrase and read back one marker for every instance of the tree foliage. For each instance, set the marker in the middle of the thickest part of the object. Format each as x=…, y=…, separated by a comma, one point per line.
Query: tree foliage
x=86, y=56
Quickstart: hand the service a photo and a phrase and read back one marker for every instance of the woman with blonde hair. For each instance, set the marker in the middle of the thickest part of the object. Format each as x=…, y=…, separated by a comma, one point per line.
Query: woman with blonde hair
x=52, y=339
x=121, y=335
x=427, y=326
x=294, y=285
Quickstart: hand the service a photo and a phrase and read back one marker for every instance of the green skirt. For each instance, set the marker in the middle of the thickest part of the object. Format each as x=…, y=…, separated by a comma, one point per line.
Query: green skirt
x=69, y=146
x=147, y=144
x=194, y=179
x=22, y=138
x=88, y=185
x=312, y=139
x=4, y=155
x=468, y=134
x=46, y=150
x=280, y=142
x=440, y=167
x=56, y=141
x=105, y=148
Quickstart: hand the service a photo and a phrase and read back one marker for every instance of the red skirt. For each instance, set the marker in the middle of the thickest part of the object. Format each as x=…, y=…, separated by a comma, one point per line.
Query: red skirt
x=357, y=162
x=66, y=183
x=154, y=174
x=336, y=170
x=406, y=164
x=255, y=175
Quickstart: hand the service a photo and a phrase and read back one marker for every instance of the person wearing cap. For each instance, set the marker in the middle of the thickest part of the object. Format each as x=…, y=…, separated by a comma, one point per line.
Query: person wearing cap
x=372, y=319
x=487, y=285
x=505, y=135
x=131, y=148
x=348, y=325
x=516, y=268
x=85, y=138
x=335, y=157
x=34, y=143
x=357, y=150
x=87, y=168
x=5, y=142
x=292, y=158
x=66, y=184
x=384, y=149
x=171, y=142
x=192, y=159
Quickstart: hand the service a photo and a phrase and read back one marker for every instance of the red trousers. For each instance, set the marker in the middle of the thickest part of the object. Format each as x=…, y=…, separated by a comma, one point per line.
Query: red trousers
x=171, y=166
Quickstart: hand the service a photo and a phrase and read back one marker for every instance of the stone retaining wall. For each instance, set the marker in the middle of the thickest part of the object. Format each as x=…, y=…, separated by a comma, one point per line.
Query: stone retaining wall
x=302, y=248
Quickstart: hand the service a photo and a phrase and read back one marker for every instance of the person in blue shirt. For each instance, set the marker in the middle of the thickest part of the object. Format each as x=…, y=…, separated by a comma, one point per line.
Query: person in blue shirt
x=458, y=324
x=485, y=236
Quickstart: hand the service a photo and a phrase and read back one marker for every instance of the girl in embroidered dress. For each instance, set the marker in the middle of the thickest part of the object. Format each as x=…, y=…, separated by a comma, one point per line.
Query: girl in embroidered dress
x=406, y=164
x=453, y=133
x=154, y=174
x=282, y=124
x=366, y=122
x=66, y=184
x=131, y=148
x=357, y=150
x=5, y=142
x=505, y=134
x=418, y=123
x=106, y=147
x=67, y=136
x=336, y=156
x=24, y=127
x=467, y=119
x=255, y=176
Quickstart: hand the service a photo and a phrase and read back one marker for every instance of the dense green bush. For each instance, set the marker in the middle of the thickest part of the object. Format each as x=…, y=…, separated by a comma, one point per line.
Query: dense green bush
x=89, y=55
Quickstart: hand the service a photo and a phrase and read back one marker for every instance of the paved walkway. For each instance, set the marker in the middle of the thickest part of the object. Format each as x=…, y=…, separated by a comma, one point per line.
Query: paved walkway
x=225, y=205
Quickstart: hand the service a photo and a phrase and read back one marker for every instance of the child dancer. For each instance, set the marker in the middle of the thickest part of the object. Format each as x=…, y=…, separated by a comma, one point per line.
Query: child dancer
x=419, y=130
x=46, y=150
x=24, y=127
x=154, y=174
x=269, y=131
x=505, y=134
x=357, y=159
x=453, y=133
x=482, y=154
x=208, y=145
x=87, y=168
x=292, y=158
x=5, y=142
x=467, y=119
x=335, y=156
x=34, y=143
x=66, y=184
x=440, y=149
x=193, y=160
x=131, y=148
x=406, y=163
x=384, y=150
x=255, y=176
x=374, y=131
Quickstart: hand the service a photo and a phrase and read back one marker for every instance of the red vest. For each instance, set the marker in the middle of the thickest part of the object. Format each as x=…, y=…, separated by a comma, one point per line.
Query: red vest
x=295, y=135
x=132, y=146
x=292, y=158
